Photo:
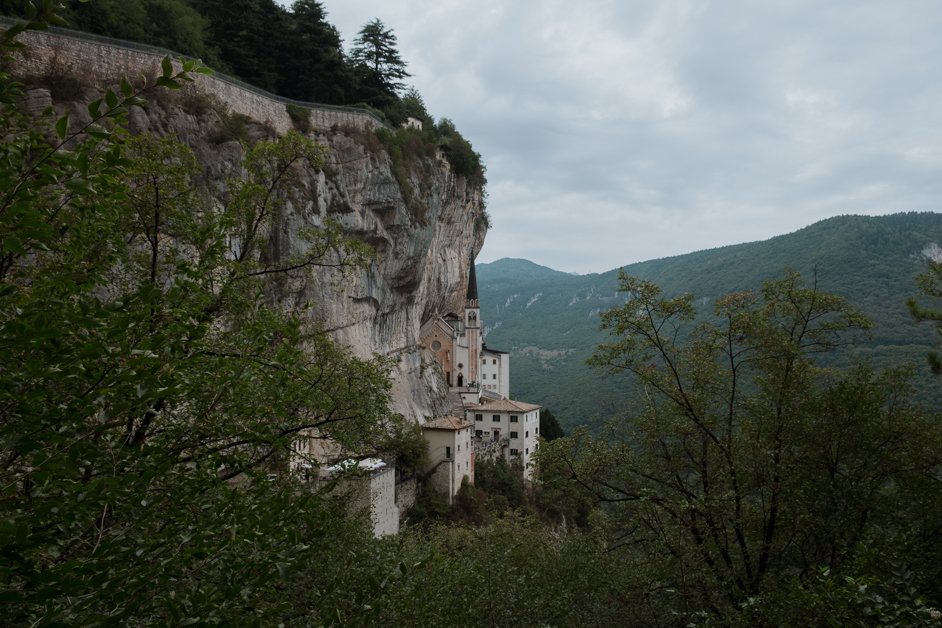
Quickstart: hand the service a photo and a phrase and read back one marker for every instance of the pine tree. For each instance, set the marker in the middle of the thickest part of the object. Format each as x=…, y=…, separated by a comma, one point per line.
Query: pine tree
x=379, y=66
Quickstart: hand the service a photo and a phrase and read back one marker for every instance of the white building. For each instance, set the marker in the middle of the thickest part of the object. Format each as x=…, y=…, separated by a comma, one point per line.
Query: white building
x=369, y=484
x=495, y=372
x=450, y=453
x=509, y=427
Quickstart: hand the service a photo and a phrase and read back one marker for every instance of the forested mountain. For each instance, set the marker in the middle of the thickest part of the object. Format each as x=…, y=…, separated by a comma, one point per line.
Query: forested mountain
x=550, y=320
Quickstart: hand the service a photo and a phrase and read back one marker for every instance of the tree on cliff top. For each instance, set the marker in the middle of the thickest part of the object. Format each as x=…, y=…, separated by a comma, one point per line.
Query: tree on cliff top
x=379, y=66
x=310, y=57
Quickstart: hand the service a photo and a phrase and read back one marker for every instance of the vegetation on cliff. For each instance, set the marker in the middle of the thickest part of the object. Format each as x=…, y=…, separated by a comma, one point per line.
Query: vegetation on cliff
x=293, y=52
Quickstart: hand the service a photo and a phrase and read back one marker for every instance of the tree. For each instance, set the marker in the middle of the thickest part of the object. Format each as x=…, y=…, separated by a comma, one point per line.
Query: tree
x=930, y=284
x=378, y=64
x=245, y=32
x=171, y=24
x=152, y=385
x=313, y=66
x=749, y=466
x=549, y=426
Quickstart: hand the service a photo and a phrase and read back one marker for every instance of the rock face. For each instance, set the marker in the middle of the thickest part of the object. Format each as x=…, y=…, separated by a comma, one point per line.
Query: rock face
x=420, y=267
x=420, y=264
x=423, y=248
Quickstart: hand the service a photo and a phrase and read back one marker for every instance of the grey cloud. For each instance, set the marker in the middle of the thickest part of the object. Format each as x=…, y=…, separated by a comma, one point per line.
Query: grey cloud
x=620, y=131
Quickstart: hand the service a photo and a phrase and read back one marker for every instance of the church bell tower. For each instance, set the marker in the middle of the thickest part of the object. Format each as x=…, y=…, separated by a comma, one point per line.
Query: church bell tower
x=472, y=322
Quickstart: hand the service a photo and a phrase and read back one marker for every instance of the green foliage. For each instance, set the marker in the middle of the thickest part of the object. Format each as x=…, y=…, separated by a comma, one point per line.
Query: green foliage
x=549, y=426
x=152, y=389
x=379, y=67
x=930, y=285
x=408, y=446
x=460, y=154
x=233, y=127
x=508, y=572
x=750, y=466
x=171, y=24
x=300, y=117
x=311, y=63
x=502, y=482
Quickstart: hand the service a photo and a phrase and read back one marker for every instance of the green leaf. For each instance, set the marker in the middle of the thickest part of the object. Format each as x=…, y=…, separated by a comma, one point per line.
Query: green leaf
x=97, y=131
x=169, y=83
x=62, y=126
x=167, y=66
x=94, y=108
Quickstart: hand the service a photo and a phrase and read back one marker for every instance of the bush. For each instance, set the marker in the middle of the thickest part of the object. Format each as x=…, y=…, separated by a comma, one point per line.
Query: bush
x=300, y=117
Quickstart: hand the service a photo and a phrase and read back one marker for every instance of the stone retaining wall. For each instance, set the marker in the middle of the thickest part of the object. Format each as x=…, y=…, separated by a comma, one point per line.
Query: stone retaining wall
x=103, y=61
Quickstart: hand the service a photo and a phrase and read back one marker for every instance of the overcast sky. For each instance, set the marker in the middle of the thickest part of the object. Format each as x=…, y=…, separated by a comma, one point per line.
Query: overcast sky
x=619, y=131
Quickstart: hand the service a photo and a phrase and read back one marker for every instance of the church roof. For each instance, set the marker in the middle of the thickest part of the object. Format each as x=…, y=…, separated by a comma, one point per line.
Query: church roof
x=472, y=284
x=504, y=405
x=450, y=423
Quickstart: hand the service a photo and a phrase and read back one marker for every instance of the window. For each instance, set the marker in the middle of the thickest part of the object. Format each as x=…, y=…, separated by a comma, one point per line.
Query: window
x=513, y=434
x=436, y=346
x=459, y=447
x=526, y=434
x=495, y=376
x=514, y=452
x=496, y=418
x=514, y=418
x=478, y=417
x=448, y=453
x=527, y=450
x=495, y=361
x=478, y=433
x=537, y=430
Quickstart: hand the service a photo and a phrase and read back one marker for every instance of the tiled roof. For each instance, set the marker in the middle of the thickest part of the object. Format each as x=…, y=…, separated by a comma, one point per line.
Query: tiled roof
x=447, y=423
x=504, y=405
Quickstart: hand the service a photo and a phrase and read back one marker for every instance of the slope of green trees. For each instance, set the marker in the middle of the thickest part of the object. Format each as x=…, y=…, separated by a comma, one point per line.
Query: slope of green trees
x=754, y=485
x=873, y=261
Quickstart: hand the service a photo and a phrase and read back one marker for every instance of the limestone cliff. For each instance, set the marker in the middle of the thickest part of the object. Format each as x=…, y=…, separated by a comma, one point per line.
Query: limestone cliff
x=421, y=257
x=419, y=266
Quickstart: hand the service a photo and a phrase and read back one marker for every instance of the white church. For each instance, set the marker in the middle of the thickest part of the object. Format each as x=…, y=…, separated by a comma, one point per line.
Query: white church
x=482, y=411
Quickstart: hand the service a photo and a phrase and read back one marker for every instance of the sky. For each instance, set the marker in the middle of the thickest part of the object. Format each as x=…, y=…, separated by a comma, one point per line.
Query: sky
x=620, y=131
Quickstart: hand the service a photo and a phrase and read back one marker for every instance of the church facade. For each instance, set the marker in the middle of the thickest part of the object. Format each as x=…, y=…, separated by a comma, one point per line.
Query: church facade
x=478, y=379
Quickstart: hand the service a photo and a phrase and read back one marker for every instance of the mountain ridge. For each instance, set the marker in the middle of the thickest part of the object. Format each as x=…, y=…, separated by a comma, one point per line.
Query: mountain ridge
x=550, y=323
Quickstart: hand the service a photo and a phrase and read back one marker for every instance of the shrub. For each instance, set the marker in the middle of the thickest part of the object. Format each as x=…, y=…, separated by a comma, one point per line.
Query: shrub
x=300, y=117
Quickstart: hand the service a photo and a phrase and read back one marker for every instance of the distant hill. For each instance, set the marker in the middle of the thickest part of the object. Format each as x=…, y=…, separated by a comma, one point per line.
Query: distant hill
x=549, y=319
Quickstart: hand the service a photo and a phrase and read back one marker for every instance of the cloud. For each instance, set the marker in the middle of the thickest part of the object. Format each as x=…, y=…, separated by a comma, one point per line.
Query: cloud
x=615, y=132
